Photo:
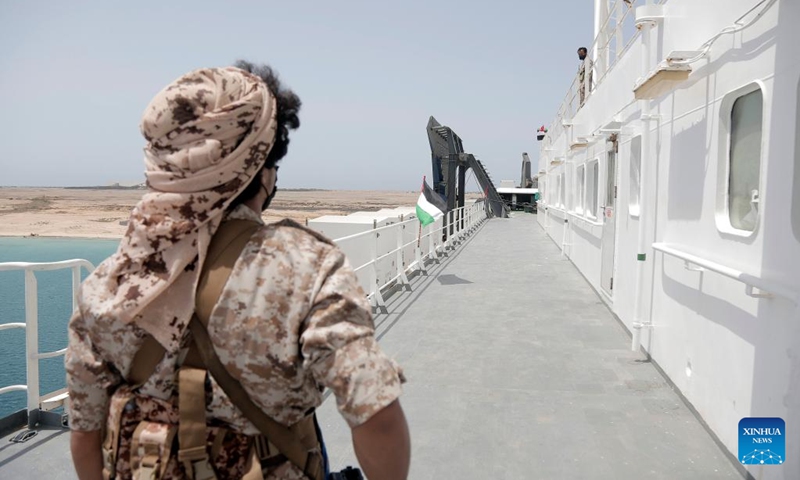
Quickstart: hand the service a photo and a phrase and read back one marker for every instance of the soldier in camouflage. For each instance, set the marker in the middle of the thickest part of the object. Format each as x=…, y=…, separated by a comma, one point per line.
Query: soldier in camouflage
x=292, y=319
x=585, y=71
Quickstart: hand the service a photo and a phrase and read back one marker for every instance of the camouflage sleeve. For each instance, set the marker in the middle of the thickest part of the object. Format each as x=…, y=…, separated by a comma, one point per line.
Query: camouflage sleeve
x=339, y=346
x=88, y=379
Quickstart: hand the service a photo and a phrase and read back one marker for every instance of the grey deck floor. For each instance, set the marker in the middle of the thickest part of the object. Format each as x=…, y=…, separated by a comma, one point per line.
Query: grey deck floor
x=516, y=370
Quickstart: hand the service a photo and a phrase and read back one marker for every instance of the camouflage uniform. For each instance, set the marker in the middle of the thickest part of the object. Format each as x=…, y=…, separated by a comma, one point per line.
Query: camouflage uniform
x=586, y=64
x=291, y=319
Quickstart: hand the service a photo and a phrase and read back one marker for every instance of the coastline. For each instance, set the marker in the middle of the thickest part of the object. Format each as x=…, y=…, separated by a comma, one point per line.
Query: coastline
x=60, y=236
x=102, y=214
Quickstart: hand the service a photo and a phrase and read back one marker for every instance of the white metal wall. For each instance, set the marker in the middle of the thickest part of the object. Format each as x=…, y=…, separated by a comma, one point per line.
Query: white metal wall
x=731, y=354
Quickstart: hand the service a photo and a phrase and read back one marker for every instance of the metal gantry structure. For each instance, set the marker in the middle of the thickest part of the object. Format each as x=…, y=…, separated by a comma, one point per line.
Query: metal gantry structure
x=450, y=165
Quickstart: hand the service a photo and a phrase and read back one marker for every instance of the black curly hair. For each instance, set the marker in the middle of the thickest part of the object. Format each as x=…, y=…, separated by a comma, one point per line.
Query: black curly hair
x=288, y=105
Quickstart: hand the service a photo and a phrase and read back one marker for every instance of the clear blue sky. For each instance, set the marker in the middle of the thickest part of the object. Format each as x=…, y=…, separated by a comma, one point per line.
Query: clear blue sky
x=75, y=77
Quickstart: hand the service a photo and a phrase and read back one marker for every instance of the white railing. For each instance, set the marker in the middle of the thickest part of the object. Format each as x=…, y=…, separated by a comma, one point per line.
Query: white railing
x=427, y=244
x=35, y=402
x=766, y=289
x=615, y=36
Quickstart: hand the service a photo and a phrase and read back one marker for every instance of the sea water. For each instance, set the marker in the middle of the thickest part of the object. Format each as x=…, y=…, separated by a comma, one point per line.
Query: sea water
x=55, y=309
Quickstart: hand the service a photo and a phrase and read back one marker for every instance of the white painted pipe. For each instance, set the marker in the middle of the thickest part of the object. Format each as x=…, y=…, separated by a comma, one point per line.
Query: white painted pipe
x=641, y=245
x=598, y=6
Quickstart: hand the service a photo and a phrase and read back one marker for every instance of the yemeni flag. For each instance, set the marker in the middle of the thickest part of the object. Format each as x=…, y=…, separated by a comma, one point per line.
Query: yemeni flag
x=430, y=206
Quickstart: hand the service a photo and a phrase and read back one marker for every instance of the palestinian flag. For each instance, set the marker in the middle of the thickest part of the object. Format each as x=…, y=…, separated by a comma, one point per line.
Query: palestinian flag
x=430, y=206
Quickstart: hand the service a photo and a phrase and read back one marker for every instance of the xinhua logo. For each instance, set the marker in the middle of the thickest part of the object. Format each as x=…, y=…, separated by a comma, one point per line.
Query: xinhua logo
x=762, y=441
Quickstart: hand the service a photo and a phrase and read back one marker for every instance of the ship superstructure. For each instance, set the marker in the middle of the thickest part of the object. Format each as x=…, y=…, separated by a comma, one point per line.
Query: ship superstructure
x=671, y=179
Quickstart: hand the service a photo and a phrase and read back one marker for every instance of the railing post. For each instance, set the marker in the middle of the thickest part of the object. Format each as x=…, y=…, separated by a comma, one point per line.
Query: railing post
x=450, y=237
x=418, y=253
x=431, y=247
x=401, y=268
x=454, y=220
x=76, y=284
x=377, y=298
x=459, y=226
x=32, y=346
x=453, y=229
x=463, y=223
x=471, y=217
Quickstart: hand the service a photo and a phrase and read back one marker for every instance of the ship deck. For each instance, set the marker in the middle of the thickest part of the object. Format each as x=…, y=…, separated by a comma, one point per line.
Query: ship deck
x=516, y=369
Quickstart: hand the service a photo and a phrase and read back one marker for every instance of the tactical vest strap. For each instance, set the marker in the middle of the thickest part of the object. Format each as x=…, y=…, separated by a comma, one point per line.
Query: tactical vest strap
x=192, y=450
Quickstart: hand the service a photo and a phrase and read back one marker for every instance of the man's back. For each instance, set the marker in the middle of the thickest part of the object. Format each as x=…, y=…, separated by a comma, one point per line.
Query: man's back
x=291, y=318
x=290, y=322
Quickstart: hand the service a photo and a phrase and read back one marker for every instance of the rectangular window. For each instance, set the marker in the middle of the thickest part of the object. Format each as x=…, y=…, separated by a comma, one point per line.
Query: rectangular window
x=552, y=199
x=562, y=190
x=542, y=189
x=611, y=168
x=593, y=175
x=745, y=161
x=579, y=189
x=635, y=174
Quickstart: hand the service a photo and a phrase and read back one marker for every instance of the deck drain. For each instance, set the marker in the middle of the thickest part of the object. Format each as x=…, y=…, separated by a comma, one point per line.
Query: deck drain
x=23, y=437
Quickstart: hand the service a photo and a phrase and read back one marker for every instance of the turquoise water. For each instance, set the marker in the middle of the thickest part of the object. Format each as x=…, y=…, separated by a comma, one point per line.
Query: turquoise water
x=55, y=308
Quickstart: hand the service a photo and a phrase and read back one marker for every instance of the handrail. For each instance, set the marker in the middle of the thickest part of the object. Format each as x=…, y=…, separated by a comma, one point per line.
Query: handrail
x=766, y=287
x=13, y=388
x=461, y=220
x=458, y=211
x=9, y=326
x=44, y=266
x=593, y=221
x=34, y=400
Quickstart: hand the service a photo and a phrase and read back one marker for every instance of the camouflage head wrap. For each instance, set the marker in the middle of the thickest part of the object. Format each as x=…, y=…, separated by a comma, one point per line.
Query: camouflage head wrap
x=208, y=133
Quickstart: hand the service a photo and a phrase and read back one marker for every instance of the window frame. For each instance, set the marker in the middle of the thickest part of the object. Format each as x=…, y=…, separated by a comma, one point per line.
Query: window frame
x=592, y=212
x=542, y=190
x=722, y=213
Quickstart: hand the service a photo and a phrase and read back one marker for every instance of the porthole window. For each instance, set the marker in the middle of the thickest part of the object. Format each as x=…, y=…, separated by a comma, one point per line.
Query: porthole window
x=738, y=191
x=744, y=160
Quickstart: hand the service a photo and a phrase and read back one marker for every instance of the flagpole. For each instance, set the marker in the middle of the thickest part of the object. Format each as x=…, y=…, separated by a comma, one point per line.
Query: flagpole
x=419, y=235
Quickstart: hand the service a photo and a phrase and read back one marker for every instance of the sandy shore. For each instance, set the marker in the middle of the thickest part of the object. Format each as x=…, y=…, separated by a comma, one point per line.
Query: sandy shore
x=95, y=213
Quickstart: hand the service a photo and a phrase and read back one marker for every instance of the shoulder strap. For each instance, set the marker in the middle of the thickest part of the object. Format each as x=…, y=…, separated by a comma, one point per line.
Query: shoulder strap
x=151, y=352
x=225, y=248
